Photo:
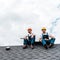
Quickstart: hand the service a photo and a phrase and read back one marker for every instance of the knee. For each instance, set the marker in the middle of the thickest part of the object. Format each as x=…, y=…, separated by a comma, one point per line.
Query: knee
x=43, y=40
x=34, y=37
x=53, y=39
x=25, y=40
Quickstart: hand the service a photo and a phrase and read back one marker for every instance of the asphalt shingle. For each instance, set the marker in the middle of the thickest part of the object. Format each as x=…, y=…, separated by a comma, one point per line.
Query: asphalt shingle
x=39, y=53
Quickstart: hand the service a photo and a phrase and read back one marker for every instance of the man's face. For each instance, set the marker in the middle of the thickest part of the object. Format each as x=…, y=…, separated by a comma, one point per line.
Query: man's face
x=29, y=31
x=43, y=30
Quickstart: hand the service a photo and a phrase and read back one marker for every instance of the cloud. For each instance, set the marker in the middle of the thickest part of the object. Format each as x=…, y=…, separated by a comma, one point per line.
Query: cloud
x=17, y=15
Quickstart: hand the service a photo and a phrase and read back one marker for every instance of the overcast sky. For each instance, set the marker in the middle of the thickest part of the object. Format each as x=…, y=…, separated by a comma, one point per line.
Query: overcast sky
x=17, y=15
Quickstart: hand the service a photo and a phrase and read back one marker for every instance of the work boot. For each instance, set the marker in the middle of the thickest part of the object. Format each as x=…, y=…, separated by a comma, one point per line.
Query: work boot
x=32, y=47
x=45, y=46
x=25, y=46
x=51, y=45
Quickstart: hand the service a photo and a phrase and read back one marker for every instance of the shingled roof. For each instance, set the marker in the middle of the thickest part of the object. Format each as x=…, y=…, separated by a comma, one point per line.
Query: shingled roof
x=39, y=53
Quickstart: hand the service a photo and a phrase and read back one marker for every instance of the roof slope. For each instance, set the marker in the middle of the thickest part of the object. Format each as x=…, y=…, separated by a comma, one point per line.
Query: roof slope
x=39, y=53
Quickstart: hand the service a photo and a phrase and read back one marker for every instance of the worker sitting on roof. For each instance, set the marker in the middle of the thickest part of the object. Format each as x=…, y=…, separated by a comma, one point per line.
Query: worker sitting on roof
x=45, y=37
x=29, y=39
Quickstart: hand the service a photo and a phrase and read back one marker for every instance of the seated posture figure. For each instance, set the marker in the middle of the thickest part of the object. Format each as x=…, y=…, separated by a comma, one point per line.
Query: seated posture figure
x=46, y=38
x=29, y=39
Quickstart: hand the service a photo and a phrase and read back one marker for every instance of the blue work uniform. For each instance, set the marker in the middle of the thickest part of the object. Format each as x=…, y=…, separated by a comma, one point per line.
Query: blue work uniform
x=29, y=41
x=44, y=41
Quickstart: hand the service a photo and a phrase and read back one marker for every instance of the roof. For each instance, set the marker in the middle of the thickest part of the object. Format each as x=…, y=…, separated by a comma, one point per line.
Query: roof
x=39, y=53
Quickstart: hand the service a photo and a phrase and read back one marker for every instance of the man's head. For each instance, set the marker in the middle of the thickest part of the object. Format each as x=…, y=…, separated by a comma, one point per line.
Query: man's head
x=29, y=30
x=43, y=29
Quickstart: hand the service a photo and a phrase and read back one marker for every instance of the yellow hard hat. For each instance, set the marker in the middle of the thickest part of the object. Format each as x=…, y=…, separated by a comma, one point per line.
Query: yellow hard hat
x=43, y=28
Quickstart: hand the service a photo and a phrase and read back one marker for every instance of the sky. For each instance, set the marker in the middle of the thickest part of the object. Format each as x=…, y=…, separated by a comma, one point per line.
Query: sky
x=18, y=15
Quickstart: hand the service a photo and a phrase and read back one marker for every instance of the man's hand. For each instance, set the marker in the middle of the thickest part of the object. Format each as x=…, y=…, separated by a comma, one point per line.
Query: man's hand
x=25, y=37
x=32, y=36
x=46, y=39
x=40, y=39
x=51, y=36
